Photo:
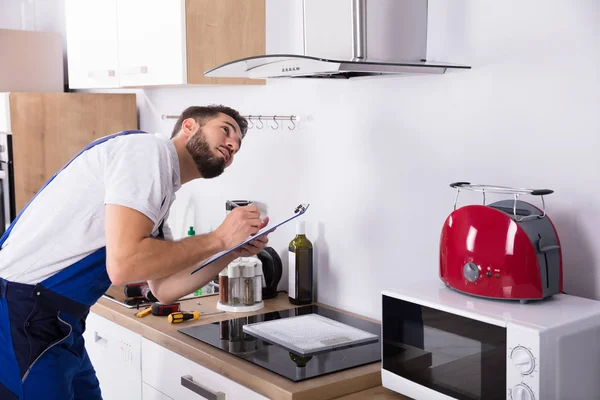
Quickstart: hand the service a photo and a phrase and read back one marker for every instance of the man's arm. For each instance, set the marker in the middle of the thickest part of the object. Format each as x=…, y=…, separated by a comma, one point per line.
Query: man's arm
x=173, y=287
x=131, y=255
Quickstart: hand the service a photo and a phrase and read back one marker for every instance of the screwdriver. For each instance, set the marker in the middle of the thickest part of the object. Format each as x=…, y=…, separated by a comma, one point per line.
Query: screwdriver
x=143, y=313
x=180, y=316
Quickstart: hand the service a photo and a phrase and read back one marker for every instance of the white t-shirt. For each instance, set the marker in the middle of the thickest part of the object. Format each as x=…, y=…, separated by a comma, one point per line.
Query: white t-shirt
x=65, y=222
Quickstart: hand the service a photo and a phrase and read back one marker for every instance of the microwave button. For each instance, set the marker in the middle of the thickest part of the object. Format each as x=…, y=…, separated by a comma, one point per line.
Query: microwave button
x=522, y=392
x=471, y=272
x=523, y=360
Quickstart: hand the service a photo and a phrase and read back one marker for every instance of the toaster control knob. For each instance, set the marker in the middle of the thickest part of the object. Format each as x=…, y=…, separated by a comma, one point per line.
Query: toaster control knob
x=522, y=392
x=523, y=360
x=471, y=272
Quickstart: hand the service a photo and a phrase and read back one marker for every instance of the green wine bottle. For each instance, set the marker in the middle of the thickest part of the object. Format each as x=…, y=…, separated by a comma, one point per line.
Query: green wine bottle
x=300, y=274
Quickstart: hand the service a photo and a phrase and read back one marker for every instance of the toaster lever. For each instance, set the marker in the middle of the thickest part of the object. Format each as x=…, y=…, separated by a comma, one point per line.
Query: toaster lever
x=546, y=247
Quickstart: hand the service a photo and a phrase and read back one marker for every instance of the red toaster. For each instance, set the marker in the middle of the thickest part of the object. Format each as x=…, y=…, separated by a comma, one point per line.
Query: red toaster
x=508, y=249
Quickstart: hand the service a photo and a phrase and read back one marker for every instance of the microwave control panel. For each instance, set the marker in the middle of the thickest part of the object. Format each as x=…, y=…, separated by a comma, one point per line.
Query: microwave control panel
x=522, y=364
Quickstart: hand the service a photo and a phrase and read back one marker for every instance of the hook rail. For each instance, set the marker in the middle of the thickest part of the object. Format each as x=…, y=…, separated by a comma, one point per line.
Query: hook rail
x=292, y=119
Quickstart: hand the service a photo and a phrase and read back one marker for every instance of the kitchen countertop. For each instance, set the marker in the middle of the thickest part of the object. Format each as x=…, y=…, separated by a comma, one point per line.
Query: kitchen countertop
x=352, y=384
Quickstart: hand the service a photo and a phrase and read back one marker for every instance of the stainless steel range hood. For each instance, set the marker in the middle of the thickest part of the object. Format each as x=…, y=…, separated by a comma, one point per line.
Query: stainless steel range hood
x=400, y=53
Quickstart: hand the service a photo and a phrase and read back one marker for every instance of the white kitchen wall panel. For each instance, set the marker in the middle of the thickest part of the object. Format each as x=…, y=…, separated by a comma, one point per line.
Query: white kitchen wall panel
x=374, y=157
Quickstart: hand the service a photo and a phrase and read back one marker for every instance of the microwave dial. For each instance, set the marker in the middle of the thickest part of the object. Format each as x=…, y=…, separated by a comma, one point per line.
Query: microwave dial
x=523, y=360
x=522, y=392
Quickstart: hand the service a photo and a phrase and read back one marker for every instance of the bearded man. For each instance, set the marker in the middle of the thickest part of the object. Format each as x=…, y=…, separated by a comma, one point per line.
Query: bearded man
x=98, y=221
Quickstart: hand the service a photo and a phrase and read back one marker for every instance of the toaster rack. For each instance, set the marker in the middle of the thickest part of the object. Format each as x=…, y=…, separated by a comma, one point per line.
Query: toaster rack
x=515, y=192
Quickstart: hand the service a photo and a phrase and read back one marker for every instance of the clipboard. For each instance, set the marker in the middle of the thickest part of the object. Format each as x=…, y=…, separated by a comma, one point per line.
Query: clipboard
x=298, y=211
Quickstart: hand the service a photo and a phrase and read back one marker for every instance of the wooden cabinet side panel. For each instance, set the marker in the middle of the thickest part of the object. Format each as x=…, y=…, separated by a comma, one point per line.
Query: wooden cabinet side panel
x=48, y=129
x=221, y=31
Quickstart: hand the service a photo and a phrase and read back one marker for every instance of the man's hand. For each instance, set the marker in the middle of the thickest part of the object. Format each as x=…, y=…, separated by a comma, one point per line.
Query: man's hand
x=252, y=248
x=241, y=223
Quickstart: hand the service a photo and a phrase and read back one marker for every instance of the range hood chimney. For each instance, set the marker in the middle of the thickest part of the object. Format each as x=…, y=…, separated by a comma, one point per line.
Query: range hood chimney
x=398, y=54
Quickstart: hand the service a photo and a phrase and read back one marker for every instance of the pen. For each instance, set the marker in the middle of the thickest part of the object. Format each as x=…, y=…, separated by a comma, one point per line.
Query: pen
x=232, y=204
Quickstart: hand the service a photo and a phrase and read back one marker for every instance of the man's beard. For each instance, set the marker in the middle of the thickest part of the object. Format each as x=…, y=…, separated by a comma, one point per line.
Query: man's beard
x=209, y=165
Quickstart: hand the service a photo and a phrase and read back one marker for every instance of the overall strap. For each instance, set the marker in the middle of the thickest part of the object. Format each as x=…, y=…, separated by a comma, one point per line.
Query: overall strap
x=89, y=146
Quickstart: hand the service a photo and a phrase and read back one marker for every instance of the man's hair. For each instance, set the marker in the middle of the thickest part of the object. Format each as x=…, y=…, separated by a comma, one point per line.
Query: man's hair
x=203, y=114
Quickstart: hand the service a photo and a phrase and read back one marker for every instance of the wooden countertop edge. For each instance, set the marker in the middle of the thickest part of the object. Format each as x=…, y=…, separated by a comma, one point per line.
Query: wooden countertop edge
x=251, y=376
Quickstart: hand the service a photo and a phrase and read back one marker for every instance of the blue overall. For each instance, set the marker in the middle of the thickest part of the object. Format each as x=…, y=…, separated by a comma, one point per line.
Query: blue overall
x=42, y=352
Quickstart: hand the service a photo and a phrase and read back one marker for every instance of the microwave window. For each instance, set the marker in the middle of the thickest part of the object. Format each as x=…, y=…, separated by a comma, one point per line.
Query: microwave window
x=447, y=353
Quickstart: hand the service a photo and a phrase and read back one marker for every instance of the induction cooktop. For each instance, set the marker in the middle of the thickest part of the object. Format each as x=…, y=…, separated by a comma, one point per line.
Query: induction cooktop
x=275, y=356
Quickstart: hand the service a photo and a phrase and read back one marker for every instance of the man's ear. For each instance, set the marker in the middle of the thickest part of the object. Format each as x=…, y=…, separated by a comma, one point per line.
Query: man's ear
x=188, y=127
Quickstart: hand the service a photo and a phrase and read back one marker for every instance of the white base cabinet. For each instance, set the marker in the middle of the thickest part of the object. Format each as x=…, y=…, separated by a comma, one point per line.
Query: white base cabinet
x=116, y=354
x=182, y=379
x=149, y=393
x=131, y=367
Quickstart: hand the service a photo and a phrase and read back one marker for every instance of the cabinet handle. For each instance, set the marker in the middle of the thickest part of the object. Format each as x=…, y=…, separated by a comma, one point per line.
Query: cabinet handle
x=99, y=339
x=188, y=382
x=103, y=73
x=135, y=70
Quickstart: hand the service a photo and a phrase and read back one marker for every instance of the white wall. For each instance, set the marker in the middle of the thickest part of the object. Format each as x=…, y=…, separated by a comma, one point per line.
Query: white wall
x=374, y=157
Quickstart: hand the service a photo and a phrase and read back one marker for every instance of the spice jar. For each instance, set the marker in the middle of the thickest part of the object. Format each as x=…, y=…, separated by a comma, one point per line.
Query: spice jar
x=258, y=281
x=248, y=283
x=234, y=280
x=223, y=286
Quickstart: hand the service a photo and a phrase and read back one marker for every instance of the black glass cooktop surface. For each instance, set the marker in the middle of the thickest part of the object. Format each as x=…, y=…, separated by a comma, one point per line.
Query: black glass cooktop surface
x=229, y=336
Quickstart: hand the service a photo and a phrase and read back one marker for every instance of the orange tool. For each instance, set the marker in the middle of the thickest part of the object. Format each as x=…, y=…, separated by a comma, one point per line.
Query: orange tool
x=144, y=312
x=180, y=316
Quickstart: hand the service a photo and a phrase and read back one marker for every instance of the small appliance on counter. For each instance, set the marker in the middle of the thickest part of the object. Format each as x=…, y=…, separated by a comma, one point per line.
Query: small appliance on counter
x=440, y=344
x=508, y=249
x=272, y=269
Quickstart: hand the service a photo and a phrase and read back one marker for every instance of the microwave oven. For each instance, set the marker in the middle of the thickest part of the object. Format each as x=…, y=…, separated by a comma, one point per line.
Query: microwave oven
x=438, y=343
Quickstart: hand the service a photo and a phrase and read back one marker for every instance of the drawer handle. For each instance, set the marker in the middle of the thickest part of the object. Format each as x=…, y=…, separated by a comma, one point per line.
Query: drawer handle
x=188, y=382
x=136, y=70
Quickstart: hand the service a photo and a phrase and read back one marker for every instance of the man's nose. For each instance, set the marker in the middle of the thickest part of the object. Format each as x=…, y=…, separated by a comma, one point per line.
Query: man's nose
x=233, y=146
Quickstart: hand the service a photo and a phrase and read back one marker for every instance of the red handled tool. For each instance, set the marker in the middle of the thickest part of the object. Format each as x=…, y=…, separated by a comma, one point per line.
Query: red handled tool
x=163, y=310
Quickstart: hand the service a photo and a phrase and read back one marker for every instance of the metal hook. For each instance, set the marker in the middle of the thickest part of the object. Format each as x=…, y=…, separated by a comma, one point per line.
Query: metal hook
x=276, y=124
x=261, y=123
x=250, y=120
x=292, y=121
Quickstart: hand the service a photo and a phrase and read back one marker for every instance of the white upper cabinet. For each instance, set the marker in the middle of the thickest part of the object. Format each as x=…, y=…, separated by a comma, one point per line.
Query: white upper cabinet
x=152, y=47
x=137, y=43
x=92, y=46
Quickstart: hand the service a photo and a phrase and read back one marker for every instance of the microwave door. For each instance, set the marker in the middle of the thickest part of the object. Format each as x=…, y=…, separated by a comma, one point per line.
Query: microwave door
x=442, y=352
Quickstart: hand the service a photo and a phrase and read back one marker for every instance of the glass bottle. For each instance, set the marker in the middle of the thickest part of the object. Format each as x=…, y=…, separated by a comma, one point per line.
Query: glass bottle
x=224, y=286
x=258, y=281
x=248, y=284
x=234, y=278
x=300, y=274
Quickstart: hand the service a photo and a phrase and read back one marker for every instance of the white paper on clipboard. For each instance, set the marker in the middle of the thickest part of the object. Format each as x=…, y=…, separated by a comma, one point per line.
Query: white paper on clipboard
x=298, y=211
